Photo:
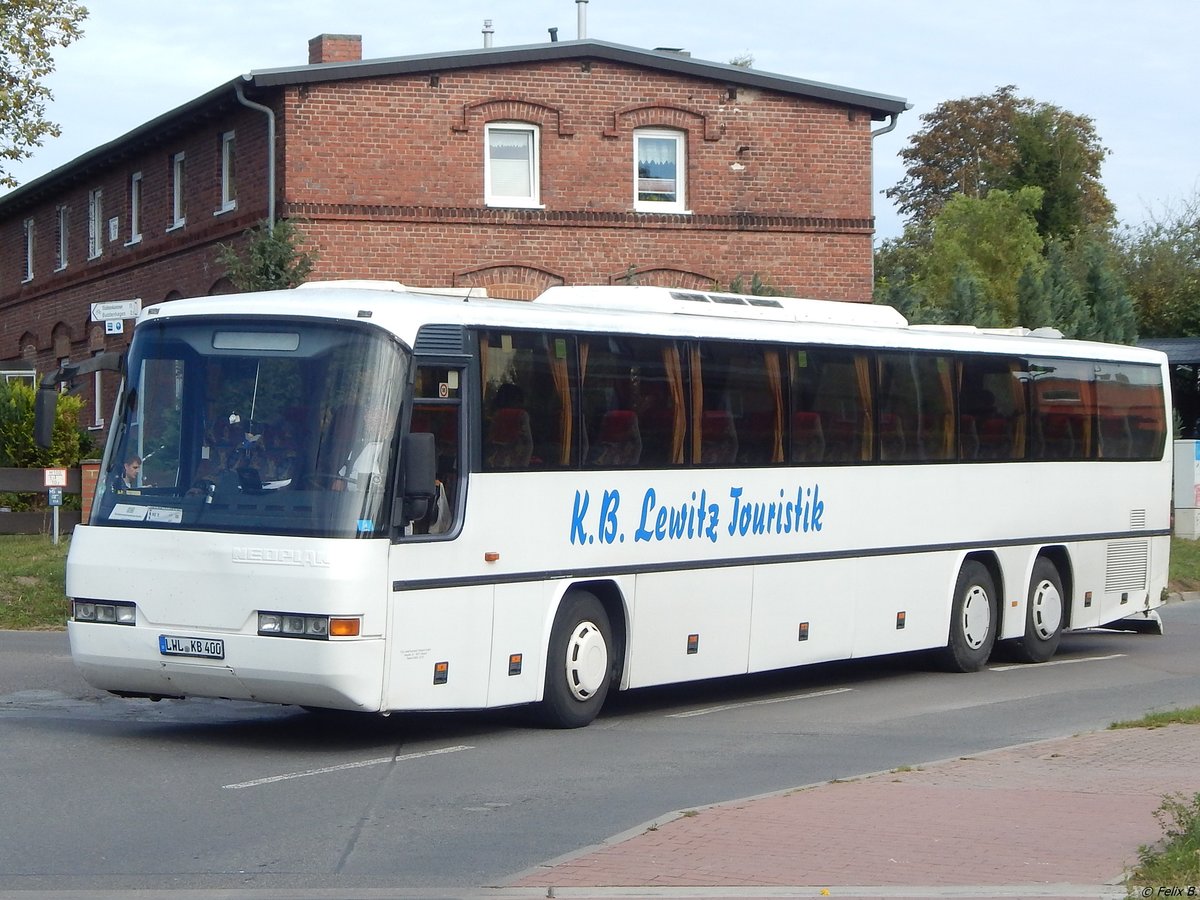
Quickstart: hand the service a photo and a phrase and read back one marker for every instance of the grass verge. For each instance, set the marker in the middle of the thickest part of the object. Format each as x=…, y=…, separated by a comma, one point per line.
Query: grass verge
x=31, y=582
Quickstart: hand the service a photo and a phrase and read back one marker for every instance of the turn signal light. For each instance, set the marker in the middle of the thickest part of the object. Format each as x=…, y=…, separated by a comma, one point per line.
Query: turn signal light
x=344, y=627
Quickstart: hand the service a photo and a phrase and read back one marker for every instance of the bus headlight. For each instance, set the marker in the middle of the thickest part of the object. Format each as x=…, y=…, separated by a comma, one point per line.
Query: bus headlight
x=108, y=612
x=301, y=625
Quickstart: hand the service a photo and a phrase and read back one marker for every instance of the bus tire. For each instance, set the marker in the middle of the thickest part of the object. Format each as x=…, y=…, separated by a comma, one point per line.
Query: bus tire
x=1045, y=611
x=972, y=619
x=579, y=662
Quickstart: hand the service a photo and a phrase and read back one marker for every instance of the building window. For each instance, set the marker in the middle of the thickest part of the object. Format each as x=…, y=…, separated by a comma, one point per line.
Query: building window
x=511, y=168
x=95, y=223
x=28, y=250
x=60, y=262
x=228, y=172
x=178, y=207
x=135, y=207
x=660, y=163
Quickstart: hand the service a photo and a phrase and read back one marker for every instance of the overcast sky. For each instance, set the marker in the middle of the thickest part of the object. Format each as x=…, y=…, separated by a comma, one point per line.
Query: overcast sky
x=1133, y=67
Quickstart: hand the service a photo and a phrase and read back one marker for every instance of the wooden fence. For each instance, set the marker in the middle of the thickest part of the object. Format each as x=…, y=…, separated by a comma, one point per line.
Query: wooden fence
x=41, y=521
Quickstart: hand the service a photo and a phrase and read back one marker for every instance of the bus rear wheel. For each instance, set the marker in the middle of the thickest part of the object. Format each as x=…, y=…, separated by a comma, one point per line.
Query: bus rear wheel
x=972, y=619
x=579, y=662
x=1044, y=614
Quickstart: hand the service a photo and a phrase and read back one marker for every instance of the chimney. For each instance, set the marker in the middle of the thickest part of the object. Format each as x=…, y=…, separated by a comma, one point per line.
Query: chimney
x=334, y=48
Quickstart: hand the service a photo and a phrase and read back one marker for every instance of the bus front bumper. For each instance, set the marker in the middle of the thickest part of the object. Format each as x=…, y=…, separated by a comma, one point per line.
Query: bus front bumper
x=129, y=660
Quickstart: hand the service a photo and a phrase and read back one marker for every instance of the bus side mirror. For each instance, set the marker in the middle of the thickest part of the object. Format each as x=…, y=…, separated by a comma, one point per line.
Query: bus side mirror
x=45, y=407
x=418, y=458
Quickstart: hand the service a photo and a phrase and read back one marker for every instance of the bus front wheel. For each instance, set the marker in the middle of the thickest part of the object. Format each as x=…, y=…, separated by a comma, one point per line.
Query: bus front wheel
x=1044, y=614
x=972, y=619
x=579, y=662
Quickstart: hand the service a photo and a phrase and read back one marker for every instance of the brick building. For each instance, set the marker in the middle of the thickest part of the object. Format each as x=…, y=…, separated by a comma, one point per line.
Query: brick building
x=513, y=168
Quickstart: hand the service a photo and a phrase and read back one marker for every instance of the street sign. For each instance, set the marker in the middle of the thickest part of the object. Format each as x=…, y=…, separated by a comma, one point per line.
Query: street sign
x=116, y=309
x=114, y=326
x=54, y=497
x=54, y=478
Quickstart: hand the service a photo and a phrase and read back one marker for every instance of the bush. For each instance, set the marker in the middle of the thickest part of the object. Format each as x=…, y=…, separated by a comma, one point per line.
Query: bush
x=18, y=449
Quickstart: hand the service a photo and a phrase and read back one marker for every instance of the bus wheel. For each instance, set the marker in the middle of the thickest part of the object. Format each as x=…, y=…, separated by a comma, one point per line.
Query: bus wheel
x=579, y=662
x=972, y=620
x=1044, y=614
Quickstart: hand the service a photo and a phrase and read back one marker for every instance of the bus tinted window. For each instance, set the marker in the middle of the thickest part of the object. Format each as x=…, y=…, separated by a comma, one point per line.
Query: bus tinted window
x=1129, y=409
x=742, y=393
x=633, y=402
x=831, y=411
x=527, y=406
x=915, y=407
x=1063, y=409
x=991, y=408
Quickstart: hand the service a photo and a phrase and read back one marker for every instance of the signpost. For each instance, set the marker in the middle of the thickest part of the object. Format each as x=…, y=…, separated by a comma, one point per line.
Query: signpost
x=54, y=480
x=116, y=310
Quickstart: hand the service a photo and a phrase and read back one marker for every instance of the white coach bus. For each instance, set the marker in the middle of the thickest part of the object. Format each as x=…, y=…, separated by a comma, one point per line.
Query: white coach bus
x=365, y=497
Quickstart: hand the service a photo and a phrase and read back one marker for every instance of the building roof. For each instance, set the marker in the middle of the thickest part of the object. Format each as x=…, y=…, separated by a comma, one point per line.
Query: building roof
x=219, y=99
x=1180, y=351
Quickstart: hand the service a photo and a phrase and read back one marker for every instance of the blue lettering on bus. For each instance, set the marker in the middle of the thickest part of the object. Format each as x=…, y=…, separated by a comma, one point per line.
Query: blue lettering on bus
x=698, y=516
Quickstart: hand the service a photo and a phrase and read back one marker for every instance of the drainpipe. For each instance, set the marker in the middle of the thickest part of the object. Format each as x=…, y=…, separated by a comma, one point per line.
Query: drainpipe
x=893, y=119
x=270, y=113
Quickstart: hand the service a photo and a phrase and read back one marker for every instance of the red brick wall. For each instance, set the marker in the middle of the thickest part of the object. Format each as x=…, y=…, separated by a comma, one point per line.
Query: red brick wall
x=387, y=178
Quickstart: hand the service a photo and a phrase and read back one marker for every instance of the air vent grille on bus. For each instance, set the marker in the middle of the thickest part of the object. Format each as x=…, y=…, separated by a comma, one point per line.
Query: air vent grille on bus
x=441, y=340
x=1137, y=518
x=1127, y=566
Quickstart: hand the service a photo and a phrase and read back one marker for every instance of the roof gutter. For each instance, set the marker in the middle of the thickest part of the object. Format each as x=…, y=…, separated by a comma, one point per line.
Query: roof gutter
x=270, y=114
x=893, y=120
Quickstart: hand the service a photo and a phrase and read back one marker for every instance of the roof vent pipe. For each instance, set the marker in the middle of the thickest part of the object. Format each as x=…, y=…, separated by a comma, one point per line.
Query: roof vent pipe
x=581, y=16
x=553, y=35
x=487, y=32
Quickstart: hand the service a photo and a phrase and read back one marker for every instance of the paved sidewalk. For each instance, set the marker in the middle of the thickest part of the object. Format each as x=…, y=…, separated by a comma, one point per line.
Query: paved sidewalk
x=1057, y=818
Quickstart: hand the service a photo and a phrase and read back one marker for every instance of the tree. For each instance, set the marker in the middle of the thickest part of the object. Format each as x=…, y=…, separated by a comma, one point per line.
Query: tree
x=974, y=145
x=271, y=259
x=1160, y=262
x=1112, y=313
x=991, y=239
x=30, y=32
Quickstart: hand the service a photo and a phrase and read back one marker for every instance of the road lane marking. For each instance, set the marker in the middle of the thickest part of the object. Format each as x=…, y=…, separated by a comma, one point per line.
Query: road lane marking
x=362, y=764
x=728, y=706
x=1054, y=662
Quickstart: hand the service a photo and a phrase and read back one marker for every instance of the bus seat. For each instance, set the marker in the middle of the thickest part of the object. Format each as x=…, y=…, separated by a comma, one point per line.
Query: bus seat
x=718, y=438
x=808, y=437
x=995, y=441
x=1116, y=437
x=510, y=441
x=620, y=440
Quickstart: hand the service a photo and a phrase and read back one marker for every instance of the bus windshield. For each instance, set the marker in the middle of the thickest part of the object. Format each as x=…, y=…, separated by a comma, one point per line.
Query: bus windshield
x=255, y=427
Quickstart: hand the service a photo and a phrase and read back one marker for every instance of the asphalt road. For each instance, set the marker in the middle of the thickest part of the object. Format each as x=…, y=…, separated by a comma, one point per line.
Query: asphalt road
x=105, y=794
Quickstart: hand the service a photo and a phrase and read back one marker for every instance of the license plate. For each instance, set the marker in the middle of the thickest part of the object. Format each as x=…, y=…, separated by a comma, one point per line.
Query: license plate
x=173, y=645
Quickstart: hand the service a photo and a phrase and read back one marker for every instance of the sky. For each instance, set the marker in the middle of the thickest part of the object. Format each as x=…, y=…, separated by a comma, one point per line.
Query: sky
x=1132, y=67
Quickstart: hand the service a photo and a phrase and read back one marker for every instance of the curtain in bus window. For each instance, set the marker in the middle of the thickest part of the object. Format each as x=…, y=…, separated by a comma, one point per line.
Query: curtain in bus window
x=673, y=367
x=556, y=350
x=775, y=383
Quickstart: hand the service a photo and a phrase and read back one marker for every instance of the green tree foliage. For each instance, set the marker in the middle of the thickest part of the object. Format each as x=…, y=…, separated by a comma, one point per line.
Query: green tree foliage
x=1160, y=262
x=974, y=145
x=1112, y=313
x=989, y=239
x=30, y=32
x=270, y=260
x=17, y=447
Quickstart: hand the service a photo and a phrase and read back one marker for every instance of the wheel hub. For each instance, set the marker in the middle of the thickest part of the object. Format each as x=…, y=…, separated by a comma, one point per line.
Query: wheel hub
x=976, y=617
x=587, y=660
x=1047, y=610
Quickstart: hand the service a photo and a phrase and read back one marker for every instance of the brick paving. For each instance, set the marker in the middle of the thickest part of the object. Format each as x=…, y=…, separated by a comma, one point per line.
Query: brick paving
x=1068, y=812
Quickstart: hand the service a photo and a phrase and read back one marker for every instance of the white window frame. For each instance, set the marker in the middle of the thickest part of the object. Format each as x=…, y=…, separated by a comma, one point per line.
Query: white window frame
x=178, y=195
x=135, y=209
x=493, y=198
x=62, y=218
x=97, y=401
x=96, y=223
x=228, y=174
x=28, y=251
x=679, y=204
